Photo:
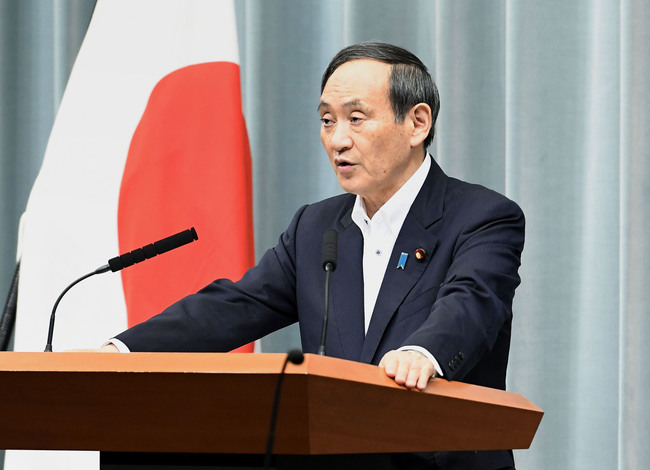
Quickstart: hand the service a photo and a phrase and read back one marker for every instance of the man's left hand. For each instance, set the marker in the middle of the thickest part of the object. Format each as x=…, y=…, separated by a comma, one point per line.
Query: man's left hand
x=408, y=368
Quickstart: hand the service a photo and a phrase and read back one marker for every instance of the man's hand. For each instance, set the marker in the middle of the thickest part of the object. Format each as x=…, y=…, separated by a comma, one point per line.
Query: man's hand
x=408, y=368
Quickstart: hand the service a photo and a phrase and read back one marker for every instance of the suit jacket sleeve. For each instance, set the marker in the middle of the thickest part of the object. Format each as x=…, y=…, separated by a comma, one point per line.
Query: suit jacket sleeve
x=225, y=315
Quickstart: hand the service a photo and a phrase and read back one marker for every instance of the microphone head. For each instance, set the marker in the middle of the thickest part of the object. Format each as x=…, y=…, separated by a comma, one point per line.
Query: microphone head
x=330, y=239
x=175, y=241
x=295, y=356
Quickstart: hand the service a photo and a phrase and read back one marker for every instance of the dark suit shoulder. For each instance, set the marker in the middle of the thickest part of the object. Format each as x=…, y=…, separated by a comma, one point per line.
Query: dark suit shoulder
x=472, y=192
x=329, y=212
x=469, y=201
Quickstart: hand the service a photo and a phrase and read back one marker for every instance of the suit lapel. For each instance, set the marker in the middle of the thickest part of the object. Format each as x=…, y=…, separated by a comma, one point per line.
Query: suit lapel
x=346, y=295
x=397, y=283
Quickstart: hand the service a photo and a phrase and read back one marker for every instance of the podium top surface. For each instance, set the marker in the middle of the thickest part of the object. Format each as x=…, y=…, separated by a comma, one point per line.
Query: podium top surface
x=240, y=364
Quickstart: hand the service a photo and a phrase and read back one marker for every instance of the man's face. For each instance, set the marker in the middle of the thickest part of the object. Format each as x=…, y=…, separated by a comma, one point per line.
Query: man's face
x=371, y=154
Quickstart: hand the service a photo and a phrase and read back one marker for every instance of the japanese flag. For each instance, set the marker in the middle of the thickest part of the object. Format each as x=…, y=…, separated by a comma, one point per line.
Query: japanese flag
x=149, y=140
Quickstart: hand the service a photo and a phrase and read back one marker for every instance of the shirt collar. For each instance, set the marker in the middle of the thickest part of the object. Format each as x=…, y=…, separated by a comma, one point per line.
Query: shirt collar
x=394, y=211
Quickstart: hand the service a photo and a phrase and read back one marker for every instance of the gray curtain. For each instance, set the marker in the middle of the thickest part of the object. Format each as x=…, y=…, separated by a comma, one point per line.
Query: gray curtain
x=39, y=41
x=546, y=102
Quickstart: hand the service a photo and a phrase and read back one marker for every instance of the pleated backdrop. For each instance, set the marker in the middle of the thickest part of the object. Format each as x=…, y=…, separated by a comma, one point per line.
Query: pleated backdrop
x=546, y=102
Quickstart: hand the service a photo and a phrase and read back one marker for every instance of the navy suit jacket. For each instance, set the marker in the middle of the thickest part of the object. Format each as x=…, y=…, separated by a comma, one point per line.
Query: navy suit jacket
x=456, y=302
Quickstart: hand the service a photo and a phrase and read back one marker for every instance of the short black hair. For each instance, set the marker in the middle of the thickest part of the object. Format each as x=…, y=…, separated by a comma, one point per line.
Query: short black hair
x=410, y=82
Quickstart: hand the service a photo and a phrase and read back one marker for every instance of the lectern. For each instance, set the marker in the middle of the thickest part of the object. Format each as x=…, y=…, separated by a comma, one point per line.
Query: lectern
x=129, y=405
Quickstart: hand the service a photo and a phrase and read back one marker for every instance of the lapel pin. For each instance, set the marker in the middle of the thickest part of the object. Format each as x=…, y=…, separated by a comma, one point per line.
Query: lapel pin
x=420, y=254
x=402, y=260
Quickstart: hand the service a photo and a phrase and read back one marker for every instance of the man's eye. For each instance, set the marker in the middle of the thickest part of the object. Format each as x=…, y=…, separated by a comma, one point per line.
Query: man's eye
x=325, y=121
x=355, y=119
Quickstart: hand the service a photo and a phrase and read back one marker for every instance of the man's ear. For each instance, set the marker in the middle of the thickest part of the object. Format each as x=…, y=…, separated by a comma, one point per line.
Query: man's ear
x=420, y=116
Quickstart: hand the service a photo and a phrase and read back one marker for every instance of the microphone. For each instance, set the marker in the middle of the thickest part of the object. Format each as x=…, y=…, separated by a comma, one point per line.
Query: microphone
x=295, y=356
x=124, y=261
x=330, y=240
x=153, y=249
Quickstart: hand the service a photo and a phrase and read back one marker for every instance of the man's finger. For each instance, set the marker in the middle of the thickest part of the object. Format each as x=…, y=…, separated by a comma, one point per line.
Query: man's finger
x=389, y=364
x=426, y=374
x=403, y=371
x=414, y=374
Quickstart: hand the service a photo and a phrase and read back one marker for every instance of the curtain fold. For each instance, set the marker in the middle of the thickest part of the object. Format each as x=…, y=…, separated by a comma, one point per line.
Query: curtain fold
x=634, y=299
x=38, y=44
x=546, y=102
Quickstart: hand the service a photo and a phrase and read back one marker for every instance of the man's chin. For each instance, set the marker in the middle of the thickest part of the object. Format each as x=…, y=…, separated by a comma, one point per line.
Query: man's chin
x=349, y=188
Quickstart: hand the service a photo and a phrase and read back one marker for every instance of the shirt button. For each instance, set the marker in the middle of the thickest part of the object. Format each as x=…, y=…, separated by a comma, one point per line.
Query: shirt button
x=378, y=252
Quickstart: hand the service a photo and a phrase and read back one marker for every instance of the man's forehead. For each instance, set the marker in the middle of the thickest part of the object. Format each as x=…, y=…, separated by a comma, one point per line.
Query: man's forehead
x=359, y=73
x=356, y=84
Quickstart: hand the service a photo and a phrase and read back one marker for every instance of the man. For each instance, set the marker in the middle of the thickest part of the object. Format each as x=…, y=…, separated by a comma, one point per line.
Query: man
x=427, y=264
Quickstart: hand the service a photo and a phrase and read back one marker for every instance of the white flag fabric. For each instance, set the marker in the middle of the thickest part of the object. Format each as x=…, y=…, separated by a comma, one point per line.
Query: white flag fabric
x=149, y=140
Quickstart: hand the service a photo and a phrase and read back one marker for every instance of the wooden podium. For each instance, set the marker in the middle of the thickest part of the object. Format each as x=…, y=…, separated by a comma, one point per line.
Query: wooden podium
x=221, y=404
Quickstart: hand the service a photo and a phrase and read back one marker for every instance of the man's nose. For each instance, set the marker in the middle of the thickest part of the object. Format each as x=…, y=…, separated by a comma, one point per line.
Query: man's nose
x=341, y=140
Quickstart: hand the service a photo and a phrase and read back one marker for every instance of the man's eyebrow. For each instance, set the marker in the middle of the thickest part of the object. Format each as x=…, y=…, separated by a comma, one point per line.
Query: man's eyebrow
x=349, y=104
x=322, y=104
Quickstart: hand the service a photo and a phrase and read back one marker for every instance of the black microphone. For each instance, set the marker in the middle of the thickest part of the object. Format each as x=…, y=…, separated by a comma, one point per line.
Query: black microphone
x=294, y=356
x=330, y=239
x=153, y=249
x=124, y=261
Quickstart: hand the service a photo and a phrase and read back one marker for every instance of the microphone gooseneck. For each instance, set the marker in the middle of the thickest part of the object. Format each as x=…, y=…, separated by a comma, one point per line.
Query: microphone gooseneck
x=295, y=356
x=330, y=241
x=50, y=332
x=124, y=261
